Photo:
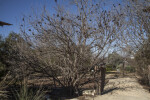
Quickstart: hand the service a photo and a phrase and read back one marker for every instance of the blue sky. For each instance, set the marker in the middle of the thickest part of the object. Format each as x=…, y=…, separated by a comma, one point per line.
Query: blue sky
x=12, y=11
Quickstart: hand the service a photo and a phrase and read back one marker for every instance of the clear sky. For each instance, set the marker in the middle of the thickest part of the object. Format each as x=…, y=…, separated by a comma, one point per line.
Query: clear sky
x=12, y=11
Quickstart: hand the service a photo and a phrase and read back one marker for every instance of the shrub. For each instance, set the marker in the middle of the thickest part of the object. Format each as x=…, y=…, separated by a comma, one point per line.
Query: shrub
x=110, y=67
x=3, y=70
x=129, y=69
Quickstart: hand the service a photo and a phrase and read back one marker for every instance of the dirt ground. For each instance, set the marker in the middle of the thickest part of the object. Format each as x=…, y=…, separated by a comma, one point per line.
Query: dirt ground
x=119, y=88
x=124, y=89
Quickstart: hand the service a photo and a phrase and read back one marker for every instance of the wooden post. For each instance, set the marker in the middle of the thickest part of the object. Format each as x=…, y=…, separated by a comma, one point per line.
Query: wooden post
x=102, y=83
x=123, y=68
x=149, y=74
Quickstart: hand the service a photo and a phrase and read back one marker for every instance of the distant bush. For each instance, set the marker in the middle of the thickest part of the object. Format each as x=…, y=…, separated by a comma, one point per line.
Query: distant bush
x=110, y=67
x=129, y=69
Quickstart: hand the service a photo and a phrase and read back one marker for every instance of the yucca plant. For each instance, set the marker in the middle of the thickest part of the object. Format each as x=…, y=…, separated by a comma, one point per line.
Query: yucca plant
x=3, y=86
x=27, y=94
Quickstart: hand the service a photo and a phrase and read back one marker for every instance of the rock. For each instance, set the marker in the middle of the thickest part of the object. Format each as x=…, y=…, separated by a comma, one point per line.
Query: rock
x=89, y=92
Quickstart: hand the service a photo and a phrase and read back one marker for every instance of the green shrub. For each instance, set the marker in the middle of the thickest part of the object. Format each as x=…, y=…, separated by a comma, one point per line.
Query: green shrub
x=129, y=69
x=110, y=67
x=3, y=70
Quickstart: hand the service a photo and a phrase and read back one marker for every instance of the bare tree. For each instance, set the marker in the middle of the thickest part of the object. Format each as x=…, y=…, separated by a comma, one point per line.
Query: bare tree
x=66, y=46
x=135, y=30
x=134, y=35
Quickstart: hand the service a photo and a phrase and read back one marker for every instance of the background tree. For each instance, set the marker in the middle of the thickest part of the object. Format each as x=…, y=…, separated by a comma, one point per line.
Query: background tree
x=142, y=59
x=135, y=32
x=3, y=56
x=141, y=14
x=10, y=58
x=114, y=59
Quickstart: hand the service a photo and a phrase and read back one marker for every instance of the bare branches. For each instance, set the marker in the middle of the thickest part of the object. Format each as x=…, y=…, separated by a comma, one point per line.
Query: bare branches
x=67, y=46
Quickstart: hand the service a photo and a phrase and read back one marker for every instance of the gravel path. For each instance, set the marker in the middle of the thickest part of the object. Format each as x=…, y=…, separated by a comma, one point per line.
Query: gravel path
x=124, y=89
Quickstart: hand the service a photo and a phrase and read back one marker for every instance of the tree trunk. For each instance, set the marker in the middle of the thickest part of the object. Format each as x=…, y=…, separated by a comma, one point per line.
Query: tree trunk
x=149, y=74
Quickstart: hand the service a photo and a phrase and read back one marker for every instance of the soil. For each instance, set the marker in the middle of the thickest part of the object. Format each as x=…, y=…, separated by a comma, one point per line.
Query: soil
x=126, y=88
